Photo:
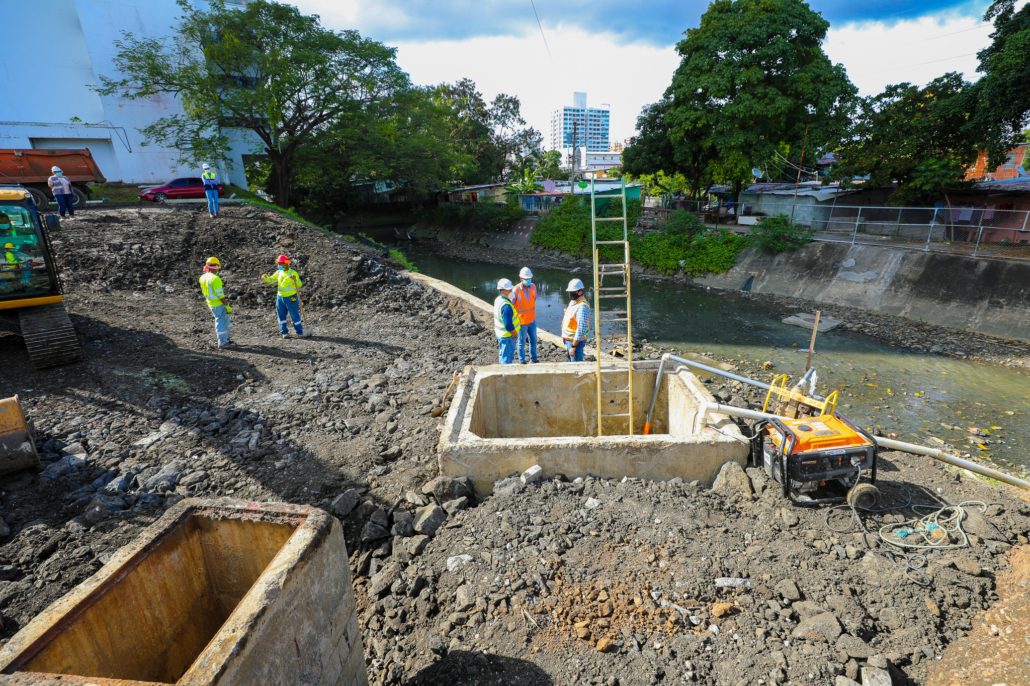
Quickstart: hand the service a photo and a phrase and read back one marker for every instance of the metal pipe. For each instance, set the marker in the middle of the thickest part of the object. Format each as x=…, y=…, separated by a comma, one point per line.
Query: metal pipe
x=696, y=365
x=889, y=444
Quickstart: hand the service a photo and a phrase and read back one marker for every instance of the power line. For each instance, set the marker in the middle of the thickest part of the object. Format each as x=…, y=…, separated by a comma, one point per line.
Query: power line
x=943, y=59
x=537, y=15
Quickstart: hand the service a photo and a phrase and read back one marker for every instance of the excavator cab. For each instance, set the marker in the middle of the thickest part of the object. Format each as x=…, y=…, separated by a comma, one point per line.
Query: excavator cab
x=31, y=299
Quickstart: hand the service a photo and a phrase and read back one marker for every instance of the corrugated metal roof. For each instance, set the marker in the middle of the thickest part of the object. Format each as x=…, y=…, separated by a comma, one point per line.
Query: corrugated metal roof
x=1016, y=185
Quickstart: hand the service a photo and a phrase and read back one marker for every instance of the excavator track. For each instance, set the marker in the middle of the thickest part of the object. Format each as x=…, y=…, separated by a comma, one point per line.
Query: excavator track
x=49, y=336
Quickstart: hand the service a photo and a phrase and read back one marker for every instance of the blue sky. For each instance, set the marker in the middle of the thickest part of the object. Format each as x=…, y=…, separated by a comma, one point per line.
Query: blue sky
x=659, y=22
x=622, y=52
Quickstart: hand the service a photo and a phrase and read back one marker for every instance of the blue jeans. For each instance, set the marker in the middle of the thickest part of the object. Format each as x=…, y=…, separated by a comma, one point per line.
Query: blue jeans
x=506, y=350
x=528, y=332
x=222, y=325
x=575, y=351
x=212, y=200
x=289, y=304
x=64, y=204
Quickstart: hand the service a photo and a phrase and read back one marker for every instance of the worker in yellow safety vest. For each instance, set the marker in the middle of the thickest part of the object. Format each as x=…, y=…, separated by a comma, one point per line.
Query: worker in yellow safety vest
x=524, y=299
x=211, y=188
x=287, y=300
x=575, y=326
x=506, y=323
x=212, y=288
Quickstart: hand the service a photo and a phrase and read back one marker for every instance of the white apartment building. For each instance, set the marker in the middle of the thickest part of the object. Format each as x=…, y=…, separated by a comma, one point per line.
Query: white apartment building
x=54, y=53
x=599, y=161
x=589, y=123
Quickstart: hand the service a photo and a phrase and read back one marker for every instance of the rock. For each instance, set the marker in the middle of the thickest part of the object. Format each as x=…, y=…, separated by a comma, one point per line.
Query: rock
x=345, y=503
x=967, y=566
x=373, y=532
x=722, y=609
x=8, y=572
x=789, y=518
x=384, y=578
x=732, y=582
x=403, y=523
x=63, y=467
x=508, y=486
x=976, y=523
x=592, y=504
x=464, y=598
x=166, y=478
x=844, y=681
x=853, y=646
x=604, y=645
x=533, y=475
x=878, y=661
x=788, y=590
x=452, y=506
x=428, y=519
x=807, y=608
x=391, y=453
x=101, y=507
x=874, y=676
x=415, y=545
x=445, y=488
x=456, y=562
x=733, y=481
x=821, y=627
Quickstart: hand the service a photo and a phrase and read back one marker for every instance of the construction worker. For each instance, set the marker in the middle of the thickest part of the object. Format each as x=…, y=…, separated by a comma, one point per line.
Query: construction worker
x=211, y=287
x=61, y=187
x=506, y=323
x=15, y=260
x=524, y=299
x=210, y=189
x=287, y=300
x=575, y=327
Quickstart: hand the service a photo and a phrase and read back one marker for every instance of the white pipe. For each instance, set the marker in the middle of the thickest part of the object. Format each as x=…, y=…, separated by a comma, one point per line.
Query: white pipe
x=887, y=443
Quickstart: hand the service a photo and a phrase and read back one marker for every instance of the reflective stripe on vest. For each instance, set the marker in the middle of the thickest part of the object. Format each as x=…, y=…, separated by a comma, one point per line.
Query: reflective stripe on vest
x=570, y=325
x=524, y=300
x=211, y=287
x=499, y=330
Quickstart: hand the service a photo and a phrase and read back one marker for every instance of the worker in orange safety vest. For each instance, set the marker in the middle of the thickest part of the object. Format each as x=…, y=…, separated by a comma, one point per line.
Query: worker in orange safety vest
x=575, y=326
x=523, y=297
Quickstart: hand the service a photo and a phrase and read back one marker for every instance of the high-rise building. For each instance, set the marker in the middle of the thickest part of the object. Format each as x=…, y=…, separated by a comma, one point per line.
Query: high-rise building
x=590, y=125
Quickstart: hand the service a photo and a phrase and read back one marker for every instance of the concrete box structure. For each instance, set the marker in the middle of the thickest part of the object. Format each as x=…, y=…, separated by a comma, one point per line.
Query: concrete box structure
x=506, y=418
x=214, y=592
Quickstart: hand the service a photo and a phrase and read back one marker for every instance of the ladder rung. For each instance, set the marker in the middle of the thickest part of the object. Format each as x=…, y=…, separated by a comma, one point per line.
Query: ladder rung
x=610, y=242
x=610, y=219
x=614, y=295
x=617, y=390
x=621, y=414
x=611, y=288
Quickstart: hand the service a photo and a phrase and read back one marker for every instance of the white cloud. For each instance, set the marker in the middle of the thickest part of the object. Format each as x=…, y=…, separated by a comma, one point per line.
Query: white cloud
x=876, y=54
x=626, y=76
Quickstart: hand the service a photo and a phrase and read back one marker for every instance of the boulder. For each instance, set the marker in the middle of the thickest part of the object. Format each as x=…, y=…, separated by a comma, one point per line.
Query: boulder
x=822, y=627
x=733, y=481
x=345, y=503
x=429, y=519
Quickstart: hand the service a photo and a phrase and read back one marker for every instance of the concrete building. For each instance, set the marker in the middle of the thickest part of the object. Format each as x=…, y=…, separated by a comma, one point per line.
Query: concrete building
x=590, y=125
x=599, y=161
x=54, y=56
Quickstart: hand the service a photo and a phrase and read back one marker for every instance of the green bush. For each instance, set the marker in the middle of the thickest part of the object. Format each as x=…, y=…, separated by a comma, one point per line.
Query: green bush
x=566, y=227
x=483, y=217
x=777, y=234
x=681, y=221
x=714, y=252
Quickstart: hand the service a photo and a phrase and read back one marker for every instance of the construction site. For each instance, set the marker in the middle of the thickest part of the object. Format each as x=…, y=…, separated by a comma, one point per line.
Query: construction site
x=380, y=502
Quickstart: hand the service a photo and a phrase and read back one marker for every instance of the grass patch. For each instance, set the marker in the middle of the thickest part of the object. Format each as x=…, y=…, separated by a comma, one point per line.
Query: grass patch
x=115, y=192
x=402, y=259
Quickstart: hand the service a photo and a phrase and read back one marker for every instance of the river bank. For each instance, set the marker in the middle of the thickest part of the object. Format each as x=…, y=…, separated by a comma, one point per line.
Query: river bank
x=894, y=330
x=596, y=582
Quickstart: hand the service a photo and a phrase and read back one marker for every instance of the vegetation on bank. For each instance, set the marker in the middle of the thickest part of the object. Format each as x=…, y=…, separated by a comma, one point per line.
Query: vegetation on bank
x=481, y=217
x=777, y=234
x=681, y=243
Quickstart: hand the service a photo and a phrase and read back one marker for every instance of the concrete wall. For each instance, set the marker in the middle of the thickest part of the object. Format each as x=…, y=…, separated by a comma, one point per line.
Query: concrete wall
x=214, y=592
x=988, y=296
x=48, y=100
x=699, y=452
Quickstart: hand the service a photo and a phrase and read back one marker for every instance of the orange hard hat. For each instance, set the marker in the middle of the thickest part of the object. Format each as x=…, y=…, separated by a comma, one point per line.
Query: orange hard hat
x=282, y=259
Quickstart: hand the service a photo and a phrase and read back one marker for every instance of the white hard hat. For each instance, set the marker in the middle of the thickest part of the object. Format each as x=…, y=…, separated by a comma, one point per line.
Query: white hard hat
x=505, y=285
x=55, y=168
x=575, y=285
x=205, y=166
x=525, y=273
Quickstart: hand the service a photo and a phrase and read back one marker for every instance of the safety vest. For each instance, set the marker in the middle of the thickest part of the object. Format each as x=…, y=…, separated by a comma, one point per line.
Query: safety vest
x=210, y=179
x=287, y=281
x=524, y=300
x=570, y=325
x=499, y=329
x=211, y=287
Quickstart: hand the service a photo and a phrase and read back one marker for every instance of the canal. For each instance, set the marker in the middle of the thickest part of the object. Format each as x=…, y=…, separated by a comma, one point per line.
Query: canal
x=919, y=396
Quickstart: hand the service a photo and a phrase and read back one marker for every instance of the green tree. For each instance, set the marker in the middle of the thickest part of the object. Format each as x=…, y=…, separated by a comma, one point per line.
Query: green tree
x=264, y=67
x=549, y=165
x=754, y=77
x=526, y=184
x=1000, y=101
x=917, y=137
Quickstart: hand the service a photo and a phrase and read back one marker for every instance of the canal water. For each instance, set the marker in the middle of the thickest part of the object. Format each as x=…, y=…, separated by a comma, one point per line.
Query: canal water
x=918, y=396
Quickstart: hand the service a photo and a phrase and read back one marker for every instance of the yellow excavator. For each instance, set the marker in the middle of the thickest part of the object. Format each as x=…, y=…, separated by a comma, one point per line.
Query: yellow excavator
x=31, y=299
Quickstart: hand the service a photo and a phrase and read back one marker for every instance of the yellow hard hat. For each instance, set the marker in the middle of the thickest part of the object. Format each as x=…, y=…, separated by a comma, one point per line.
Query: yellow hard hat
x=8, y=245
x=213, y=262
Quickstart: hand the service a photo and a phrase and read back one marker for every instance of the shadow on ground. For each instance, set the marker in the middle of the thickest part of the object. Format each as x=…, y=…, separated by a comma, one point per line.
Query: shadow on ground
x=461, y=668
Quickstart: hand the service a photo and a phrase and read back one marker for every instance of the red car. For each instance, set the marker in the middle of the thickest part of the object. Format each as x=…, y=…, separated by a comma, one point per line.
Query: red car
x=176, y=189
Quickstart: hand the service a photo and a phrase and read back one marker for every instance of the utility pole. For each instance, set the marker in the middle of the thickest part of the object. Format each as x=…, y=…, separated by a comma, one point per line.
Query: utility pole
x=801, y=164
x=572, y=165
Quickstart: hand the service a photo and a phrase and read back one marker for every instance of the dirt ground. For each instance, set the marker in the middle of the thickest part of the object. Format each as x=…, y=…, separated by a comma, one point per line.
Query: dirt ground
x=592, y=581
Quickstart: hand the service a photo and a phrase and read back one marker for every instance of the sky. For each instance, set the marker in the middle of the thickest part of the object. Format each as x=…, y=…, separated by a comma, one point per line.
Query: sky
x=623, y=53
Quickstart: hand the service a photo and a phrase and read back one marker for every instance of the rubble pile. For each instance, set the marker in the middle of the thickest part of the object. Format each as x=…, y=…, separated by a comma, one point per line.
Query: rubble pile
x=588, y=581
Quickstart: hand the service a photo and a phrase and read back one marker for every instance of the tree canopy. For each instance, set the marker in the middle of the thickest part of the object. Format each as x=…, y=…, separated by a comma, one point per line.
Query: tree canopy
x=264, y=67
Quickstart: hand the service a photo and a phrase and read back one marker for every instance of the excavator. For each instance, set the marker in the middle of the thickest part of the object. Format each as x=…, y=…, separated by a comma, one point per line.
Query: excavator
x=31, y=299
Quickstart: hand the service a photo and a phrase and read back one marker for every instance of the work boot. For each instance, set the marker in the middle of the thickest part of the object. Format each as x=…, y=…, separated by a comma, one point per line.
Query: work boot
x=286, y=335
